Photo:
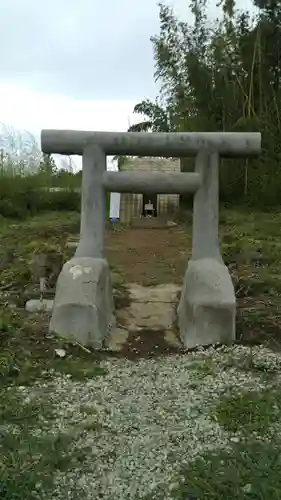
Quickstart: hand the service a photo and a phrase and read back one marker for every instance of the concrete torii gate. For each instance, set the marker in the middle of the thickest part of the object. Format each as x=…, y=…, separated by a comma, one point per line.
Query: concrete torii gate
x=83, y=307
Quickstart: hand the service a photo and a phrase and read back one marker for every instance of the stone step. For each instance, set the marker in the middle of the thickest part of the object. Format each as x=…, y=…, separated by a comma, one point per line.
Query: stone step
x=151, y=313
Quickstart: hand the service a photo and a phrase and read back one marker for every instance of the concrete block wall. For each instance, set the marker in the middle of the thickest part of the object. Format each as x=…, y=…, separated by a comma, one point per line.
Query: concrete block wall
x=131, y=204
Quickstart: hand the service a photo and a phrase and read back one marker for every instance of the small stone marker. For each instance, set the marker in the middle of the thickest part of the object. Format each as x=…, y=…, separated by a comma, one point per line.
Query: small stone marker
x=37, y=305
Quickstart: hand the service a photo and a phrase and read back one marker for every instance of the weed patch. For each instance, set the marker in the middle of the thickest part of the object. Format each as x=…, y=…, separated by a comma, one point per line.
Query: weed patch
x=247, y=471
x=249, y=412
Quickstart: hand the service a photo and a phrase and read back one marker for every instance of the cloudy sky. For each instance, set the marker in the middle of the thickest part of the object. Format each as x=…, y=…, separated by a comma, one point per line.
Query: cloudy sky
x=77, y=64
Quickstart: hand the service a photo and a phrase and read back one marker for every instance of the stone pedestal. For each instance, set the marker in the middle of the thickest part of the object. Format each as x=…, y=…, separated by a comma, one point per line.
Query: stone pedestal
x=83, y=307
x=207, y=308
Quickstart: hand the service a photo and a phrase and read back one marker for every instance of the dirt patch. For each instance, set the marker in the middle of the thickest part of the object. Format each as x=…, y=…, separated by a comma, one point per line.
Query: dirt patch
x=149, y=256
x=148, y=343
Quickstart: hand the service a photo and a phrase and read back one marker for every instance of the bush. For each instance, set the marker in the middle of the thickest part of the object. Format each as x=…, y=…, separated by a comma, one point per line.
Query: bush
x=21, y=196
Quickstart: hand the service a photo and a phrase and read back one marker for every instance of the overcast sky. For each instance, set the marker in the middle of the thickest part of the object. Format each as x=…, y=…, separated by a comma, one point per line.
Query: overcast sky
x=77, y=63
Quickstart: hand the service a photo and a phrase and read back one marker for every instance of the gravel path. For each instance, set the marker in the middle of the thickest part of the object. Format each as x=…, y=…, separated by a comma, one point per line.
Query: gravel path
x=144, y=420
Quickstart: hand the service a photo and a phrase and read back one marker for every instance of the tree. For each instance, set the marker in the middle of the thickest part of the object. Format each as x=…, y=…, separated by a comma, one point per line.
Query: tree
x=156, y=117
x=20, y=151
x=223, y=76
x=48, y=165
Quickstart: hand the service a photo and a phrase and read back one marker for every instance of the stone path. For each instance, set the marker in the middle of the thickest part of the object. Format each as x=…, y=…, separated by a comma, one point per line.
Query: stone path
x=148, y=322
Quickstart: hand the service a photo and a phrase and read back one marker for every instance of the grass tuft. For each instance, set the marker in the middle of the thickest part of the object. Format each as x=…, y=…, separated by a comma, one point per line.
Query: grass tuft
x=249, y=412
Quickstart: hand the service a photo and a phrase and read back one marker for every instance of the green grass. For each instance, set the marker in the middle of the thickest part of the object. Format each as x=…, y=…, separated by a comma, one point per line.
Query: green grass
x=247, y=471
x=26, y=459
x=257, y=280
x=249, y=412
x=78, y=369
x=26, y=346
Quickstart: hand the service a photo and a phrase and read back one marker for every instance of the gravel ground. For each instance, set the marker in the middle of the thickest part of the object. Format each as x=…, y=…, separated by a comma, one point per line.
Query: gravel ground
x=144, y=420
